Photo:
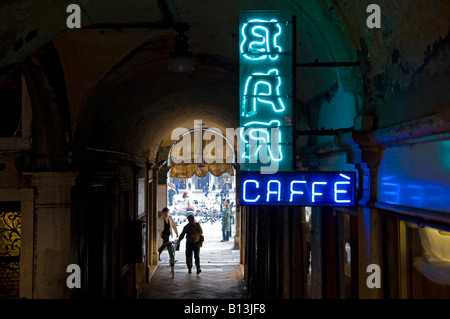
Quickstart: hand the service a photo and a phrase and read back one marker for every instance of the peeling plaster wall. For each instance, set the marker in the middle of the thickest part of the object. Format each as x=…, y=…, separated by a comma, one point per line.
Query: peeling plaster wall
x=407, y=59
x=28, y=24
x=338, y=113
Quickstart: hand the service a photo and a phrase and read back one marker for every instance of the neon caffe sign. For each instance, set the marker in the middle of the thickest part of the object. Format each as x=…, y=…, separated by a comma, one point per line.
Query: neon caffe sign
x=298, y=189
x=267, y=63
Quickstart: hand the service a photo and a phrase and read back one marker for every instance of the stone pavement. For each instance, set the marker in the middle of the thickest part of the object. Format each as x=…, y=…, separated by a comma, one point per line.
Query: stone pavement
x=221, y=276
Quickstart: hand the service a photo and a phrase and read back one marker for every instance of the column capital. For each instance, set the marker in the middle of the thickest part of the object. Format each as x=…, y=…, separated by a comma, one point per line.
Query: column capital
x=52, y=179
x=52, y=188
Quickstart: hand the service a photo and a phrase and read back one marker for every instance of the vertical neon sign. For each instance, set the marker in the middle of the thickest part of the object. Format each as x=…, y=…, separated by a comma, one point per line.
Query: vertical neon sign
x=266, y=86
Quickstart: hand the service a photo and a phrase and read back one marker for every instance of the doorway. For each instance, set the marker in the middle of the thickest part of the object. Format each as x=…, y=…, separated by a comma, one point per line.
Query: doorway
x=205, y=198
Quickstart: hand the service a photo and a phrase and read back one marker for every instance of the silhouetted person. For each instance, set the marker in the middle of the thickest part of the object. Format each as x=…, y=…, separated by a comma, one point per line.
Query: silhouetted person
x=193, y=232
x=171, y=194
x=226, y=223
x=165, y=226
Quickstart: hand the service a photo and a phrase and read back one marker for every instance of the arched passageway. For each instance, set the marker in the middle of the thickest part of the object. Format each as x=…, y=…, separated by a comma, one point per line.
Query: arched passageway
x=201, y=181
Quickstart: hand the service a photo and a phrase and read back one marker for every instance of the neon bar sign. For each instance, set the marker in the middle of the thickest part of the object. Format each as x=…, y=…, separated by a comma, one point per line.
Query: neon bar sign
x=266, y=85
x=298, y=188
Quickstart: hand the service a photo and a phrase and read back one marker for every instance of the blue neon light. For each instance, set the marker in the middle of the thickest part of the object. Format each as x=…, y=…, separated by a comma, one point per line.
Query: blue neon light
x=340, y=191
x=251, y=48
x=314, y=193
x=254, y=82
x=299, y=188
x=294, y=192
x=276, y=192
x=261, y=137
x=266, y=90
x=245, y=186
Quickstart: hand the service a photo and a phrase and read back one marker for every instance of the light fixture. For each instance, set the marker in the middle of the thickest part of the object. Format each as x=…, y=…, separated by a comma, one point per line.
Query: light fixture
x=181, y=59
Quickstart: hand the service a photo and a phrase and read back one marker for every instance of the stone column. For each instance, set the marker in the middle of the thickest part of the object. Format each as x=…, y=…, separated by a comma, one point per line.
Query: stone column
x=370, y=243
x=153, y=217
x=52, y=235
x=366, y=157
x=237, y=237
x=365, y=154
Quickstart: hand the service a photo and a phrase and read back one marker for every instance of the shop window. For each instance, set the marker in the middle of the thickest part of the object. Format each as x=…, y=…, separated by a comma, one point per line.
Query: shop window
x=348, y=248
x=428, y=262
x=346, y=259
x=306, y=232
x=340, y=259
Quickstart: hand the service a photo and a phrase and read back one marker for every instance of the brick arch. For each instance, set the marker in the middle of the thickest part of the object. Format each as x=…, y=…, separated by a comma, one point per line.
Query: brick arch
x=51, y=128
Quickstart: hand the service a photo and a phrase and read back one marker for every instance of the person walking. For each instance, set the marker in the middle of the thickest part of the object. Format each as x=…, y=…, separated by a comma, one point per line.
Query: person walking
x=171, y=195
x=165, y=225
x=193, y=232
x=226, y=223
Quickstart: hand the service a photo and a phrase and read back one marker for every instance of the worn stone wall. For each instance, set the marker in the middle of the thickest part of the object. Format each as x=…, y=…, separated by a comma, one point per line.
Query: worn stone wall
x=403, y=65
x=406, y=61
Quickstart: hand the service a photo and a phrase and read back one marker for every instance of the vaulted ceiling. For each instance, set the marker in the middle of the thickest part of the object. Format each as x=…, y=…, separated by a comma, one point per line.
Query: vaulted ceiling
x=121, y=95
